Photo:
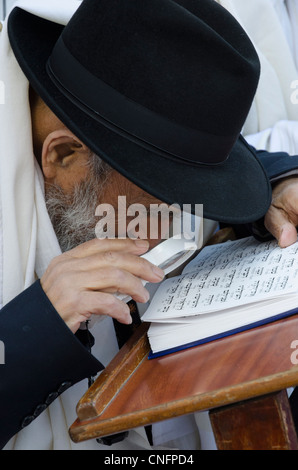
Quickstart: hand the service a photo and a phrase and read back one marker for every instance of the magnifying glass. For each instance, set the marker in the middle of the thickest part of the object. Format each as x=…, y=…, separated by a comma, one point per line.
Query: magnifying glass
x=173, y=252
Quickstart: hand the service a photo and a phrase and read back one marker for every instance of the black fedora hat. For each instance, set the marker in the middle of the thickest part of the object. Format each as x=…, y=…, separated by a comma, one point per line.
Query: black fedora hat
x=160, y=90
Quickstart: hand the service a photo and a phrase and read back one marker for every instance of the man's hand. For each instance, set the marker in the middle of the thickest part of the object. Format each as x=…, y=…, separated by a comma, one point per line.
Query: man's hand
x=82, y=281
x=282, y=217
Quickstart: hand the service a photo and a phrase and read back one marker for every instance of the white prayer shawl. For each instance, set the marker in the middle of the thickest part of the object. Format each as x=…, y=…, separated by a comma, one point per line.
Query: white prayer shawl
x=292, y=10
x=261, y=20
x=272, y=25
x=283, y=136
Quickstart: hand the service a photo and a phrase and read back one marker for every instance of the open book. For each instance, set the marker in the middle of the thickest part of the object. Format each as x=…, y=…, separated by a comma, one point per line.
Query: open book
x=227, y=288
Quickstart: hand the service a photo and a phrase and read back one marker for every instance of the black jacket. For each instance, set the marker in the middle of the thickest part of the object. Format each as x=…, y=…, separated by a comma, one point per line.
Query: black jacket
x=42, y=359
x=42, y=356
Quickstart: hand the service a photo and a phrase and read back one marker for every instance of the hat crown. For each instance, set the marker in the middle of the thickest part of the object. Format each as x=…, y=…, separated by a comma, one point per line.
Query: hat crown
x=188, y=60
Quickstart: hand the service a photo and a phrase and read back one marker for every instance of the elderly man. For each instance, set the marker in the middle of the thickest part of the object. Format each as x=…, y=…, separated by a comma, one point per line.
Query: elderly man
x=143, y=99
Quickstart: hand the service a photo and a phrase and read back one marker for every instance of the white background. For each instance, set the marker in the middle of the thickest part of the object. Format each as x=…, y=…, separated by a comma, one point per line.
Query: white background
x=5, y=6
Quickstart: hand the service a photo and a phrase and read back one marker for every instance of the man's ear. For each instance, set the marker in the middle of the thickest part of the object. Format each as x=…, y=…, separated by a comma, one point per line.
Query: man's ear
x=61, y=149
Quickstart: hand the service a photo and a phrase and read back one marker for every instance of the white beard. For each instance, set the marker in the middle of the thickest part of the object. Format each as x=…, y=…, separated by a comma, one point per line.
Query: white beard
x=73, y=215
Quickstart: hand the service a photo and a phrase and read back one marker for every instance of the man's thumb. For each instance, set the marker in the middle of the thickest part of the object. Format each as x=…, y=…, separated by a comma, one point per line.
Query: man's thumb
x=287, y=235
x=278, y=224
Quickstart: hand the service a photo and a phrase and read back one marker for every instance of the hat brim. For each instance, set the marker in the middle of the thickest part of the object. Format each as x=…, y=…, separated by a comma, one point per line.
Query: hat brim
x=236, y=191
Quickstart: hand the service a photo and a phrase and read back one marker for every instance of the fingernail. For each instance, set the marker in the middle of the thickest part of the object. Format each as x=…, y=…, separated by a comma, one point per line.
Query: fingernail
x=158, y=272
x=143, y=297
x=142, y=243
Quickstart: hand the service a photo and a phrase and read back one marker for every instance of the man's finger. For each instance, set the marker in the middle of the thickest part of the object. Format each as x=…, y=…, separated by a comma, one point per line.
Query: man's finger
x=278, y=224
x=100, y=303
x=99, y=246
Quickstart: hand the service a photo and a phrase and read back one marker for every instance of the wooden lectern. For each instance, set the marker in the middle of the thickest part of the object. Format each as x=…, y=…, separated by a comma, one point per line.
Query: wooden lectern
x=242, y=379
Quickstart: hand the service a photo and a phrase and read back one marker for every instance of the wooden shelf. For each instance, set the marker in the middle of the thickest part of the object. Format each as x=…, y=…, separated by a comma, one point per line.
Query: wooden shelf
x=134, y=391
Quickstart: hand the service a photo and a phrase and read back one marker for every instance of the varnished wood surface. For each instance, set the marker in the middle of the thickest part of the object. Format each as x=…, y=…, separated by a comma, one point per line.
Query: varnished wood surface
x=263, y=423
x=120, y=369
x=239, y=367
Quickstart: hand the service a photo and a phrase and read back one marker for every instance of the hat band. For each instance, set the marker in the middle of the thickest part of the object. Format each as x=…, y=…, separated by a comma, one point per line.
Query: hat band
x=131, y=120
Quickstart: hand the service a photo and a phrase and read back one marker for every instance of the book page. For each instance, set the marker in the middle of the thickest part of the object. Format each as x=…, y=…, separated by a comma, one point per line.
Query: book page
x=226, y=276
